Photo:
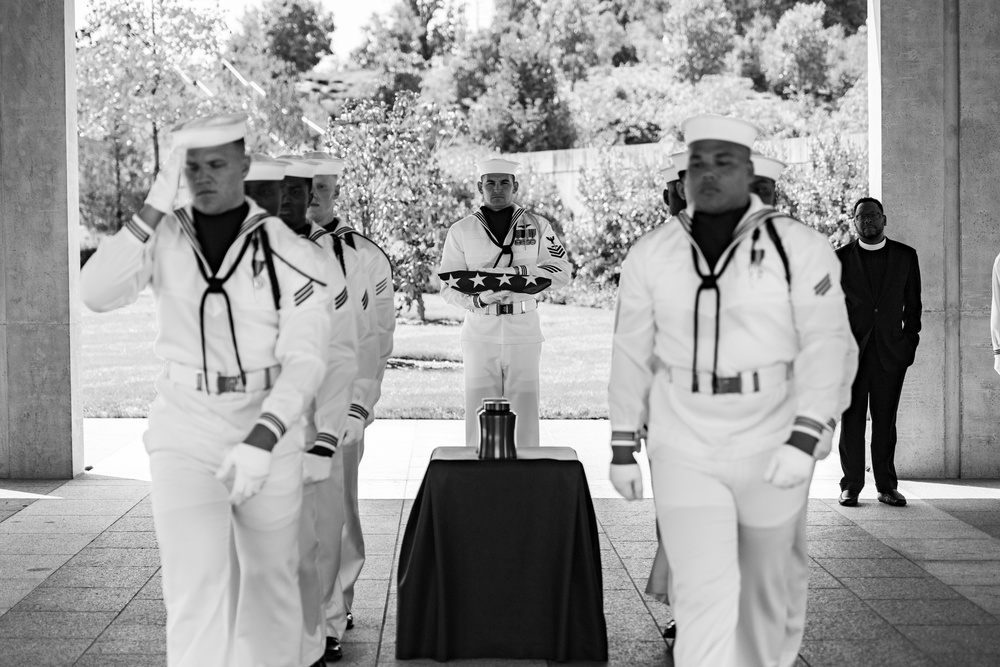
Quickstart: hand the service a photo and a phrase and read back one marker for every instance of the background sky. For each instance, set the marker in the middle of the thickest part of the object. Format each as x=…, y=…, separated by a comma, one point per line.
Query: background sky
x=348, y=15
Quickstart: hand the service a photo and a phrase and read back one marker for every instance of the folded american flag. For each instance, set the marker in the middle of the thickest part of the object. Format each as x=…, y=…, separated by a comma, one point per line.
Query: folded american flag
x=474, y=282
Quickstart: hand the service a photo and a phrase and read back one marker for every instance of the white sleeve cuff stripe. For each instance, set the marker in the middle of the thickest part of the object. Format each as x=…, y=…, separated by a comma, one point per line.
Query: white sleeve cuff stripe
x=273, y=424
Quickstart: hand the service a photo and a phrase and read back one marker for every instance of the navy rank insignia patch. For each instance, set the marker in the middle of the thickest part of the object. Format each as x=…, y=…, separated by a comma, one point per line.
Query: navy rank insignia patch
x=554, y=248
x=304, y=293
x=474, y=282
x=823, y=286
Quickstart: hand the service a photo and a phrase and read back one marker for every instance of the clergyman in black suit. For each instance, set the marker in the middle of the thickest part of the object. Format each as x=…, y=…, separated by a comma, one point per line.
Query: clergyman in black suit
x=881, y=281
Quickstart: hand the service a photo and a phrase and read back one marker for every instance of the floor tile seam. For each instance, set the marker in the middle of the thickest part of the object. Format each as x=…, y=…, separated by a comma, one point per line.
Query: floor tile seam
x=116, y=617
x=642, y=597
x=388, y=589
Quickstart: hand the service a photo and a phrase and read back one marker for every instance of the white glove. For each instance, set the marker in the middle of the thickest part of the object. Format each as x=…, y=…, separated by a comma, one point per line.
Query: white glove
x=493, y=296
x=790, y=466
x=996, y=362
x=161, y=195
x=627, y=480
x=315, y=468
x=249, y=467
x=354, y=430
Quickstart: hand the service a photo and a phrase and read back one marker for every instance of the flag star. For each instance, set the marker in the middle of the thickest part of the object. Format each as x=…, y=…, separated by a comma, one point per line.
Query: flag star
x=504, y=279
x=478, y=281
x=451, y=282
x=530, y=280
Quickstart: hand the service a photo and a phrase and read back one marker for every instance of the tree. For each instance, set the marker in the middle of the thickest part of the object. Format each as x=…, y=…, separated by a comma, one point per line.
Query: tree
x=137, y=65
x=297, y=32
x=521, y=109
x=701, y=37
x=794, y=56
x=393, y=188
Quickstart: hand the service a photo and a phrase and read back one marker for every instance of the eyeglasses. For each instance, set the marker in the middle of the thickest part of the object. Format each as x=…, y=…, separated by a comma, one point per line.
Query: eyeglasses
x=868, y=217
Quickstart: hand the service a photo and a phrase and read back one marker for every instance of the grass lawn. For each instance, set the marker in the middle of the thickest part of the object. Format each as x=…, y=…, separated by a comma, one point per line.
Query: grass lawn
x=423, y=380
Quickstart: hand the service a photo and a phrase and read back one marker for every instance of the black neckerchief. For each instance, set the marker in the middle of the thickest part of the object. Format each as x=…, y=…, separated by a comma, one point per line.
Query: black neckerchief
x=712, y=232
x=498, y=223
x=216, y=233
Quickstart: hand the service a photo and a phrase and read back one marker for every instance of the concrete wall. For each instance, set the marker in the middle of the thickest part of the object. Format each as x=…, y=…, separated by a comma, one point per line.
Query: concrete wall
x=564, y=167
x=940, y=133
x=40, y=426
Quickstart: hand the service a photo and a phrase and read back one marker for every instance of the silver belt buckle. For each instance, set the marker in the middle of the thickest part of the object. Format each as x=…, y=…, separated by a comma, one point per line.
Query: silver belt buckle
x=505, y=309
x=231, y=384
x=733, y=385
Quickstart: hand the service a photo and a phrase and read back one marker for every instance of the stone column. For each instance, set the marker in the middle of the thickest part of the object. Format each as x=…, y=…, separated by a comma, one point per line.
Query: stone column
x=940, y=128
x=40, y=425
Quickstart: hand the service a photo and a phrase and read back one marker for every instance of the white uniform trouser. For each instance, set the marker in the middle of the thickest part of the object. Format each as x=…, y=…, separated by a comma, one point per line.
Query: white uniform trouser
x=320, y=545
x=208, y=623
x=352, y=551
x=508, y=370
x=798, y=593
x=727, y=533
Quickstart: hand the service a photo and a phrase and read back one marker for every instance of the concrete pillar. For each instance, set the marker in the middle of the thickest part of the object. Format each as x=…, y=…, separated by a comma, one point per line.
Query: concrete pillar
x=940, y=127
x=40, y=426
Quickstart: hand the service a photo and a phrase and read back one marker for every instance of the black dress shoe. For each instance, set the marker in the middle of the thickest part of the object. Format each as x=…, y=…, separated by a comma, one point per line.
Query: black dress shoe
x=350, y=621
x=670, y=630
x=333, y=650
x=892, y=497
x=848, y=498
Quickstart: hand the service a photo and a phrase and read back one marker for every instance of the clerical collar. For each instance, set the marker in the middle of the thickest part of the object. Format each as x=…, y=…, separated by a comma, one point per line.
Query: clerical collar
x=872, y=246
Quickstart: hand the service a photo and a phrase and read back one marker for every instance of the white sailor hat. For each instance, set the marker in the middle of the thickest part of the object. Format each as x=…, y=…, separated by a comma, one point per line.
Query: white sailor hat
x=299, y=166
x=327, y=164
x=497, y=166
x=210, y=131
x=678, y=163
x=265, y=168
x=720, y=128
x=767, y=167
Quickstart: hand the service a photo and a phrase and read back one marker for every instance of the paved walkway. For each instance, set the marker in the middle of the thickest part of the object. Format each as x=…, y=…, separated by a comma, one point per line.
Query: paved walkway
x=913, y=586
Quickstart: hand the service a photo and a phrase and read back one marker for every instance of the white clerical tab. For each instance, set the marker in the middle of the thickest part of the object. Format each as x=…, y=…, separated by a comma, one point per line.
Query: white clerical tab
x=678, y=163
x=298, y=166
x=210, y=131
x=265, y=168
x=766, y=166
x=327, y=165
x=720, y=128
x=497, y=166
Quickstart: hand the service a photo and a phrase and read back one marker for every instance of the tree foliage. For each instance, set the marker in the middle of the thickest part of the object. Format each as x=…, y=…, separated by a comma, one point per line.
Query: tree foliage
x=393, y=189
x=794, y=56
x=822, y=192
x=521, y=109
x=136, y=64
x=297, y=32
x=701, y=37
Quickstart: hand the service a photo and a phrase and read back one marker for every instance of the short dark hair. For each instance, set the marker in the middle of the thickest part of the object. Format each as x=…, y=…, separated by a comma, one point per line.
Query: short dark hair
x=865, y=200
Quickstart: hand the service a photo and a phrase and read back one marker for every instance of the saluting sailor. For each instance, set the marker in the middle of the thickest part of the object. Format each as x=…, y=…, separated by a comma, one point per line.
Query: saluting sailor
x=732, y=342
x=375, y=270
x=501, y=336
x=243, y=307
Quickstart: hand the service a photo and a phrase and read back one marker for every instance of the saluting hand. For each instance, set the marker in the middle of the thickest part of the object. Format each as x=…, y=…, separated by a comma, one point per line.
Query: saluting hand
x=161, y=195
x=249, y=467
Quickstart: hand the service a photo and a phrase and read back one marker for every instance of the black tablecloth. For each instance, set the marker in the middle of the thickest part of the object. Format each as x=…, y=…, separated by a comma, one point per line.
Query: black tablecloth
x=500, y=559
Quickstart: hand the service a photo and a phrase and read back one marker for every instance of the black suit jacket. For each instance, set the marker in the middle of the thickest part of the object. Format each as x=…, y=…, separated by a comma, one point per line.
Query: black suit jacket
x=889, y=320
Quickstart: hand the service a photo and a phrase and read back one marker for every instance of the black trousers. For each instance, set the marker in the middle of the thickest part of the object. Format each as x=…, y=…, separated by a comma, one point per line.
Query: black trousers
x=877, y=389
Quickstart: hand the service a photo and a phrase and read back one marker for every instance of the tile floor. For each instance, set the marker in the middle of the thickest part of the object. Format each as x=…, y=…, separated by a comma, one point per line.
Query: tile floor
x=913, y=586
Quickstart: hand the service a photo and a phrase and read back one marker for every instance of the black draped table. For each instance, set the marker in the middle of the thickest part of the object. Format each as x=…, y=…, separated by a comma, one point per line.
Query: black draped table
x=500, y=559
